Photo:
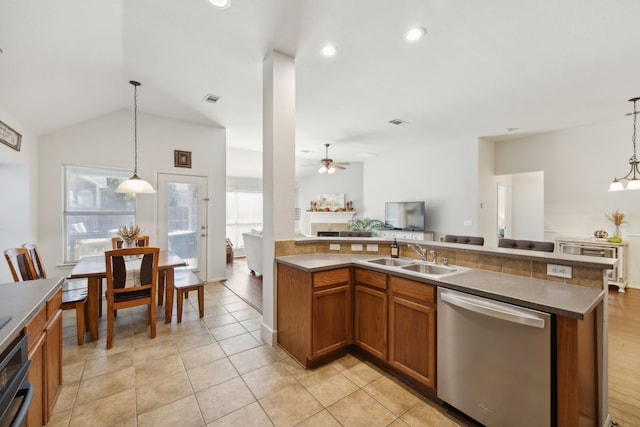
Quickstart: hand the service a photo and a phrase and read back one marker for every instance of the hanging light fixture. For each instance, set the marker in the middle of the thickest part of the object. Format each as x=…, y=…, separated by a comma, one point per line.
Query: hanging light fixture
x=135, y=184
x=633, y=177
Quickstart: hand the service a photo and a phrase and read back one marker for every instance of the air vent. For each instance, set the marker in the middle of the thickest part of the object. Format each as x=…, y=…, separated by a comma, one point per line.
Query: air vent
x=211, y=98
x=397, y=122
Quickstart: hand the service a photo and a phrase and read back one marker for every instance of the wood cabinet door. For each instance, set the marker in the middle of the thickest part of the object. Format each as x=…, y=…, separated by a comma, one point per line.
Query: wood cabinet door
x=370, y=320
x=37, y=410
x=331, y=319
x=412, y=339
x=53, y=361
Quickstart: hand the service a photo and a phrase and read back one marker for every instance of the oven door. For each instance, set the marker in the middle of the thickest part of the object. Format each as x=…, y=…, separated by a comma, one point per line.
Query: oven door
x=16, y=414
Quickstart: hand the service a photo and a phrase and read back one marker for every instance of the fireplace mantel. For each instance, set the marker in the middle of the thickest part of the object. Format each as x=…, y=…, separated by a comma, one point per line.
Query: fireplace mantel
x=330, y=217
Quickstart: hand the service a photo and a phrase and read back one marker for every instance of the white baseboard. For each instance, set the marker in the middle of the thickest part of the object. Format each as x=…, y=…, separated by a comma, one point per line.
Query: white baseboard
x=268, y=335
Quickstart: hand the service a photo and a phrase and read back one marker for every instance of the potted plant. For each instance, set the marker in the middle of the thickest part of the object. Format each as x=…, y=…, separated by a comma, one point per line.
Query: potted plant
x=363, y=227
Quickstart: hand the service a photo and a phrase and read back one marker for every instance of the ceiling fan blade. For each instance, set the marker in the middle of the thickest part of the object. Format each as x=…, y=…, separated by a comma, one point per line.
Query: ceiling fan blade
x=338, y=166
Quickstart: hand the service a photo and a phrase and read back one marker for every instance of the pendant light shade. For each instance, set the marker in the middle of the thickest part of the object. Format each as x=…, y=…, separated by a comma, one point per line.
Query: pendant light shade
x=135, y=184
x=633, y=177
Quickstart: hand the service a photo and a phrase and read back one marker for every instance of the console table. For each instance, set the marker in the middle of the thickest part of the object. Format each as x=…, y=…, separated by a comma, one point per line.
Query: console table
x=600, y=248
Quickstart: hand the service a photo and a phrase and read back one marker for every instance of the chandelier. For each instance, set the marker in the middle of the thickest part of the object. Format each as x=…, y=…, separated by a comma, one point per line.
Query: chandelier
x=135, y=184
x=633, y=177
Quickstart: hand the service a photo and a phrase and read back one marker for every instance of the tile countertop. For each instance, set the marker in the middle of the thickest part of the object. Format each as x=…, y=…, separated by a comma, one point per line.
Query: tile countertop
x=544, y=295
x=21, y=301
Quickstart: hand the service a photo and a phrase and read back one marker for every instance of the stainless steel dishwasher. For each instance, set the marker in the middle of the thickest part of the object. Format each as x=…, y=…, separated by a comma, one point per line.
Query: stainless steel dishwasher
x=494, y=360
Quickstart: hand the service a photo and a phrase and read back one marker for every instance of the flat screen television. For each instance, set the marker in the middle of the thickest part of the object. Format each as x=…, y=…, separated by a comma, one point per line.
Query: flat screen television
x=404, y=215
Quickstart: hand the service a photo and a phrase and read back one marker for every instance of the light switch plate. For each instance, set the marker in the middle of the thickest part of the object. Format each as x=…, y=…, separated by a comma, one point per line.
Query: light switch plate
x=372, y=247
x=356, y=247
x=468, y=223
x=334, y=247
x=559, y=270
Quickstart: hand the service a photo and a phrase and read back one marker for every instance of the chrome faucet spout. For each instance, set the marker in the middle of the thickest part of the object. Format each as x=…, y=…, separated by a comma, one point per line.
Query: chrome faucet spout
x=419, y=250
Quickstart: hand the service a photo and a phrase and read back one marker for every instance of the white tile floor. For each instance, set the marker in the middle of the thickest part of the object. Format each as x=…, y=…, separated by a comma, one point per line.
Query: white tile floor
x=216, y=371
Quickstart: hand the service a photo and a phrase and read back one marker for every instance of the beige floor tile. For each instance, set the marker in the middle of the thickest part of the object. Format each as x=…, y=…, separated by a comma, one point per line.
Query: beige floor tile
x=202, y=355
x=391, y=395
x=219, y=320
x=232, y=299
x=67, y=397
x=253, y=324
x=398, y=423
x=114, y=410
x=72, y=372
x=249, y=313
x=187, y=340
x=159, y=368
x=251, y=359
x=268, y=380
x=211, y=374
x=184, y=413
x=154, y=350
x=165, y=389
x=237, y=344
x=60, y=418
x=360, y=409
x=106, y=385
x=321, y=419
x=223, y=399
x=328, y=386
x=426, y=415
x=290, y=405
x=178, y=329
x=361, y=374
x=228, y=331
x=106, y=364
x=251, y=415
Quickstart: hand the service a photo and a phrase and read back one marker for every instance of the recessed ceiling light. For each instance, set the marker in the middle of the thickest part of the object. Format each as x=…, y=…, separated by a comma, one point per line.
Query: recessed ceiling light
x=305, y=151
x=509, y=130
x=397, y=122
x=220, y=4
x=211, y=98
x=369, y=155
x=329, y=50
x=415, y=34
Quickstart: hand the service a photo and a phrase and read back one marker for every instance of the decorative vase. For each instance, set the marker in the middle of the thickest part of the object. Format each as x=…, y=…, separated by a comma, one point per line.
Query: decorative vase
x=617, y=233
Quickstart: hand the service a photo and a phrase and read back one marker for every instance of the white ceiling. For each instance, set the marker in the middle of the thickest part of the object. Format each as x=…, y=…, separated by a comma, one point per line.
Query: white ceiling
x=484, y=66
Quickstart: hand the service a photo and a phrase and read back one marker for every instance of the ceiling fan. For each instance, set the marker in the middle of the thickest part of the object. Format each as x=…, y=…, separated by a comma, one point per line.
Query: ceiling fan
x=328, y=165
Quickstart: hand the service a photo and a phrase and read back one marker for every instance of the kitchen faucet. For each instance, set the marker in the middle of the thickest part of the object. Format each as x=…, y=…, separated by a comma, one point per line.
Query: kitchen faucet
x=419, y=250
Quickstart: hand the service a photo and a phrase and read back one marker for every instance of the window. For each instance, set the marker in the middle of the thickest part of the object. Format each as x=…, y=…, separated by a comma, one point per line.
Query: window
x=244, y=212
x=93, y=210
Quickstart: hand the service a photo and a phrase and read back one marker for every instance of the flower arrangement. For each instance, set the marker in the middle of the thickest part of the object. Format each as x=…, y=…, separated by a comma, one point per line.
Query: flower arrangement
x=129, y=233
x=617, y=219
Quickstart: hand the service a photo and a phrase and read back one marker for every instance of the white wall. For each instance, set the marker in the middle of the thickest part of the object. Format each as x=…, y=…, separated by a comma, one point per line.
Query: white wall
x=348, y=181
x=578, y=165
x=18, y=192
x=445, y=176
x=108, y=142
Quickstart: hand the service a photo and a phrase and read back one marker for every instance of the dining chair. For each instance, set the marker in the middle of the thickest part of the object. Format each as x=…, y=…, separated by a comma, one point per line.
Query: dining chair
x=131, y=282
x=118, y=242
x=74, y=291
x=20, y=264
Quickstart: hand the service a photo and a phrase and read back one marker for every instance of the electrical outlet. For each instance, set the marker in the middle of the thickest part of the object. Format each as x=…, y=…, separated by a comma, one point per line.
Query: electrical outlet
x=372, y=247
x=559, y=270
x=334, y=247
x=356, y=247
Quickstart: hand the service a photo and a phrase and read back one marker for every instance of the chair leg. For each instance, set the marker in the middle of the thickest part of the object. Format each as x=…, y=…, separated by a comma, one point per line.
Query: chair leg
x=110, y=321
x=180, y=298
x=152, y=318
x=201, y=300
x=80, y=307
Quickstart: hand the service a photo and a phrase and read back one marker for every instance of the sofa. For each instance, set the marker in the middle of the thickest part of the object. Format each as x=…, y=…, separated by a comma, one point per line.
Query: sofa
x=530, y=245
x=465, y=240
x=253, y=251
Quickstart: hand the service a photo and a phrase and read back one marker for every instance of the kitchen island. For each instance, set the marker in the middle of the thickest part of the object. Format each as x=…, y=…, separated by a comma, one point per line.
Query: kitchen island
x=330, y=303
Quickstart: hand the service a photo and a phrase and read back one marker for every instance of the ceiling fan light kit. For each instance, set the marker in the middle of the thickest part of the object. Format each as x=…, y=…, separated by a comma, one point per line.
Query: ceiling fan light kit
x=633, y=177
x=327, y=165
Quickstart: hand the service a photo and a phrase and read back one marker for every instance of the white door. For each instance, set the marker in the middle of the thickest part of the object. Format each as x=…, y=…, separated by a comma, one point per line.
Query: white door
x=182, y=218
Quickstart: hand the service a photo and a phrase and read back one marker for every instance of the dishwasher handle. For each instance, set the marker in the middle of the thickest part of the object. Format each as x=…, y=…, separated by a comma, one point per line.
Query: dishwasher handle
x=491, y=309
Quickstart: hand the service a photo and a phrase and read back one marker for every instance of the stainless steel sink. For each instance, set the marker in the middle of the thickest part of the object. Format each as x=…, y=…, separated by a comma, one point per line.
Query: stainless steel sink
x=430, y=268
x=390, y=262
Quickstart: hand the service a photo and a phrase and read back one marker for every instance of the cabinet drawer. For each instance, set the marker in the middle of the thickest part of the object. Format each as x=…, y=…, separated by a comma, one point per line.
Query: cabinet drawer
x=371, y=278
x=53, y=305
x=331, y=277
x=35, y=327
x=416, y=291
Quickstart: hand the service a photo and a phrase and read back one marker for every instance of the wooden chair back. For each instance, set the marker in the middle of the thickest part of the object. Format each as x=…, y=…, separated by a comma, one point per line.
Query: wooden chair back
x=118, y=242
x=131, y=281
x=34, y=254
x=20, y=264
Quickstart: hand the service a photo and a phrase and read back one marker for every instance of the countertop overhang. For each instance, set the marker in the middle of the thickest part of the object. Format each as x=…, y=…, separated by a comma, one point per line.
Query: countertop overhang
x=21, y=301
x=571, y=301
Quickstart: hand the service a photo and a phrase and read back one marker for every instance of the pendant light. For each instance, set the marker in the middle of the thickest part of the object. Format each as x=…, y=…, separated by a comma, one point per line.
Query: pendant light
x=633, y=177
x=135, y=184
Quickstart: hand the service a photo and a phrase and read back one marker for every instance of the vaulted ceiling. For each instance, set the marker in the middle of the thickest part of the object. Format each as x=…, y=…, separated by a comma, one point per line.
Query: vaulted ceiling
x=483, y=66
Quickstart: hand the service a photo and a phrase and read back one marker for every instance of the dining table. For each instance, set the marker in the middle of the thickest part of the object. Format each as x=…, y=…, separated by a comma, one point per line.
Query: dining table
x=94, y=268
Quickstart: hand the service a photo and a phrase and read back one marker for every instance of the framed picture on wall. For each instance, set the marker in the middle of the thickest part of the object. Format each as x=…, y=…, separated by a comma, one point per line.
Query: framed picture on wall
x=10, y=137
x=182, y=159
